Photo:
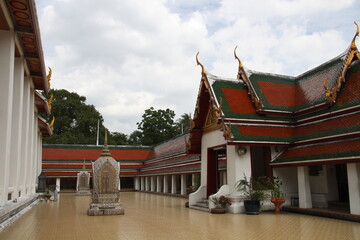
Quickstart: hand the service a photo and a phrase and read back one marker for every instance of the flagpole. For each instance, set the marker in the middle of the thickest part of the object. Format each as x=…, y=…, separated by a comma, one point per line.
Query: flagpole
x=97, y=135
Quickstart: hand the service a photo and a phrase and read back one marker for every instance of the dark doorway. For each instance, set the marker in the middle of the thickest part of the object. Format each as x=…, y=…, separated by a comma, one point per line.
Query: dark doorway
x=67, y=183
x=50, y=183
x=214, y=156
x=127, y=182
x=342, y=181
x=260, y=161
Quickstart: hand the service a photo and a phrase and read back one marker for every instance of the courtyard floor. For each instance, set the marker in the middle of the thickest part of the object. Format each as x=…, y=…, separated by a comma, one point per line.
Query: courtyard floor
x=150, y=216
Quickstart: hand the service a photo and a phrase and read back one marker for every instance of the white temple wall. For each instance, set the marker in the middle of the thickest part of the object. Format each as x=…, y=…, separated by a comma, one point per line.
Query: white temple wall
x=210, y=139
x=289, y=178
x=237, y=166
x=7, y=50
x=25, y=136
x=17, y=111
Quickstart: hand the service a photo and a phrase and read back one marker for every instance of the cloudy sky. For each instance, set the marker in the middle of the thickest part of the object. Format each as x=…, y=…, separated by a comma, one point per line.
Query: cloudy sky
x=128, y=55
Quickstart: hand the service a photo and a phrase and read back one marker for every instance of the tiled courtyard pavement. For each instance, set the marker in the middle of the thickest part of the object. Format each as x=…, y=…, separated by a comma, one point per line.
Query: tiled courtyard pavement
x=149, y=216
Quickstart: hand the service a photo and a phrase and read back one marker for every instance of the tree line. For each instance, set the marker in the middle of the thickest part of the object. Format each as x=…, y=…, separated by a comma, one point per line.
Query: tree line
x=76, y=123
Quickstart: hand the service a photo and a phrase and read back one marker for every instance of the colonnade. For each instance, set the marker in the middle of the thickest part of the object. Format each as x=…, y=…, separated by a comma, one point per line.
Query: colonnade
x=353, y=174
x=170, y=184
x=20, y=138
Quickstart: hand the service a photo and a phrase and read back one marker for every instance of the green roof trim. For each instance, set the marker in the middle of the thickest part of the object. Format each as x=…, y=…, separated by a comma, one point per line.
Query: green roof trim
x=111, y=147
x=86, y=160
x=319, y=157
x=172, y=162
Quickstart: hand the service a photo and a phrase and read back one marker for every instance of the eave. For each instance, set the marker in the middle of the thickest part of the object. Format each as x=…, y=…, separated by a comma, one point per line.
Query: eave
x=25, y=24
x=44, y=127
x=41, y=103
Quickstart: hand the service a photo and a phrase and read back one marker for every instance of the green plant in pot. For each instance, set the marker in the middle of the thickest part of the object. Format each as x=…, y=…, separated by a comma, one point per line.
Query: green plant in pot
x=277, y=196
x=253, y=191
x=220, y=204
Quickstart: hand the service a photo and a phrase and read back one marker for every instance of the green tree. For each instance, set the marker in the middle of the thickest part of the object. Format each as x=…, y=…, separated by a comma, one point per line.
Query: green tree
x=157, y=126
x=117, y=138
x=184, y=123
x=135, y=138
x=76, y=122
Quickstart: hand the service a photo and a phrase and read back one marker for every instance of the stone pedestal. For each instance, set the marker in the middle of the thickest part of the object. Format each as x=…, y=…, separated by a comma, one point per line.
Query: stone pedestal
x=83, y=183
x=105, y=204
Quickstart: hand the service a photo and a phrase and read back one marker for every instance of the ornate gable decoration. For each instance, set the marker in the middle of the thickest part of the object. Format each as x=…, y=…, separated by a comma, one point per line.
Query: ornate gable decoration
x=352, y=54
x=213, y=115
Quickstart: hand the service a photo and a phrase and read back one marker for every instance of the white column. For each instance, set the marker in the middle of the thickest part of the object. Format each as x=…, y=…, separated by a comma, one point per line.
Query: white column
x=137, y=183
x=147, y=185
x=304, y=187
x=153, y=183
x=173, y=184
x=7, y=52
x=237, y=166
x=34, y=155
x=158, y=183
x=166, y=184
x=353, y=172
x=183, y=184
x=39, y=167
x=57, y=184
x=25, y=135
x=142, y=183
x=224, y=178
x=29, y=176
x=17, y=112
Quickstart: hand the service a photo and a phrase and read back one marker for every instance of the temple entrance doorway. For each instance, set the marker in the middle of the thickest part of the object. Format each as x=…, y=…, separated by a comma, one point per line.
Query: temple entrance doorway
x=213, y=174
x=260, y=161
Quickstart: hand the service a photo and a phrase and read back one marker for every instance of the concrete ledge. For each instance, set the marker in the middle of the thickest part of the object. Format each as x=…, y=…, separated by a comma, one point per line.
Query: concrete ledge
x=323, y=213
x=13, y=210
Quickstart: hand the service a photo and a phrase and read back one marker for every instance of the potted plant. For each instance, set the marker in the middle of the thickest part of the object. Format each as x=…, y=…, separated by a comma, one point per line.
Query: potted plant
x=253, y=191
x=277, y=196
x=220, y=204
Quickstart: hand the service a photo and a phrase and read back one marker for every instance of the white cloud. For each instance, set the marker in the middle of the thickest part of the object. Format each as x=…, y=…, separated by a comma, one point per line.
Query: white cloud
x=126, y=56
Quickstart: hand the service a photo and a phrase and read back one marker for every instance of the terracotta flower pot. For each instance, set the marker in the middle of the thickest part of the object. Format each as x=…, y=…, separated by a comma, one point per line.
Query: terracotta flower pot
x=218, y=210
x=277, y=202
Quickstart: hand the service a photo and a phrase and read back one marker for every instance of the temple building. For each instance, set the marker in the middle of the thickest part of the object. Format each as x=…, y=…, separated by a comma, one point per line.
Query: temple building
x=165, y=168
x=304, y=129
x=22, y=79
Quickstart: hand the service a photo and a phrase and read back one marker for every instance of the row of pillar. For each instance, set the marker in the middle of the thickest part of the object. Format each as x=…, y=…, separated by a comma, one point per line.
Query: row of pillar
x=353, y=174
x=20, y=138
x=174, y=184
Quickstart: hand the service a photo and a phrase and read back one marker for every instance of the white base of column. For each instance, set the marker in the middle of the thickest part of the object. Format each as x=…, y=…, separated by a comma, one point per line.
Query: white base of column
x=353, y=173
x=304, y=187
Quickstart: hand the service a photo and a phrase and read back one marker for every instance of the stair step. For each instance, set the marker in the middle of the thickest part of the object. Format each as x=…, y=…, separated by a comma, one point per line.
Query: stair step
x=201, y=208
x=201, y=204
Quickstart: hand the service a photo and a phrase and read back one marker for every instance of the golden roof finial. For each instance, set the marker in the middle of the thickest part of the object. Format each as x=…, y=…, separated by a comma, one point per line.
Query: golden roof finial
x=52, y=123
x=48, y=77
x=240, y=63
x=198, y=63
x=353, y=44
x=50, y=101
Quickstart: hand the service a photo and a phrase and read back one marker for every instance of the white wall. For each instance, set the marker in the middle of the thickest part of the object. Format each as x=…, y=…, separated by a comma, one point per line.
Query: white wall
x=237, y=166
